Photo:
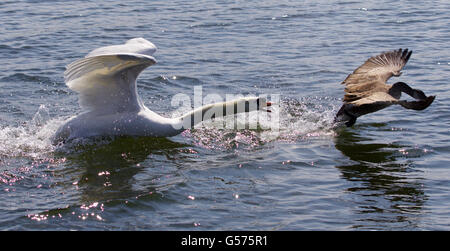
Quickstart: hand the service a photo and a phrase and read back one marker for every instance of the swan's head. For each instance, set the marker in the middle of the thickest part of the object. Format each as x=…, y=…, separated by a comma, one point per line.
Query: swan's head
x=221, y=109
x=262, y=102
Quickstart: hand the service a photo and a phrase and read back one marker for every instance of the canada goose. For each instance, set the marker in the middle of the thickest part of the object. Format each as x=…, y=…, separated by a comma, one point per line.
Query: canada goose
x=366, y=90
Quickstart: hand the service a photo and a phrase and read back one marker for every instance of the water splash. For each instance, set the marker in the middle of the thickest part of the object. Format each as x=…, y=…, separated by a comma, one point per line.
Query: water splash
x=307, y=118
x=299, y=120
x=29, y=139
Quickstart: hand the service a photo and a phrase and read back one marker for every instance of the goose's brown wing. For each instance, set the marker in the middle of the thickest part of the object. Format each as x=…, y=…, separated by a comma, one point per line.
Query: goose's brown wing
x=376, y=97
x=371, y=76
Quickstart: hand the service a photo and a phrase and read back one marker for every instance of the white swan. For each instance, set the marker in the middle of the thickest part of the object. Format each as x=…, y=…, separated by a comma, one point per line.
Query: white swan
x=105, y=81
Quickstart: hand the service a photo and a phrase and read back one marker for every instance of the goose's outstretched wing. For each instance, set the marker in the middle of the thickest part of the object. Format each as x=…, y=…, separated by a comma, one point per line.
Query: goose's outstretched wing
x=105, y=79
x=371, y=76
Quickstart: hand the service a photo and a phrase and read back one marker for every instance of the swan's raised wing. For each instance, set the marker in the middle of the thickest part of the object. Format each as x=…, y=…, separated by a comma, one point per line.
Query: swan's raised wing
x=105, y=79
x=371, y=76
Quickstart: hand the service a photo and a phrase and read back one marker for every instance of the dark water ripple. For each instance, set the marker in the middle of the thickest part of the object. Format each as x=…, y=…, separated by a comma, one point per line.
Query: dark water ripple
x=388, y=172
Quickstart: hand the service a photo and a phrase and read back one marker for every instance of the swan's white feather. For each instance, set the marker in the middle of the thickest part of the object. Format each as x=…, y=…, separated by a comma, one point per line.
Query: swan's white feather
x=134, y=46
x=106, y=78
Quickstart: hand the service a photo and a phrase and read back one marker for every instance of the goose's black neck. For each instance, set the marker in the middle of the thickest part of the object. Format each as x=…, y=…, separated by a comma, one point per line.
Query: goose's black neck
x=399, y=87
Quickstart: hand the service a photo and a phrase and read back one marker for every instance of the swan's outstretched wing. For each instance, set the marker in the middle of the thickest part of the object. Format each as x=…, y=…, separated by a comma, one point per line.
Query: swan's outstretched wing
x=106, y=78
x=371, y=76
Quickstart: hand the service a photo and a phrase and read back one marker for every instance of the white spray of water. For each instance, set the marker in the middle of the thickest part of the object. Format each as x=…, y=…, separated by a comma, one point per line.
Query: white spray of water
x=310, y=118
x=298, y=120
x=30, y=139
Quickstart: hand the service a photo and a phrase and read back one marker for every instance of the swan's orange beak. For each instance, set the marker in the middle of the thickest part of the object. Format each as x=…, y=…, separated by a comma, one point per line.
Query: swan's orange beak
x=269, y=104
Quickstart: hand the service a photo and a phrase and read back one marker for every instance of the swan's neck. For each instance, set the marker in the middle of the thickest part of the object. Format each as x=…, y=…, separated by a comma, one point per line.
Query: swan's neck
x=217, y=110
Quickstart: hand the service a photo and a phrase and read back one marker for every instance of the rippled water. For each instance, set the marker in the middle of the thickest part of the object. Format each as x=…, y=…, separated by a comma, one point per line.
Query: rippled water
x=388, y=172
